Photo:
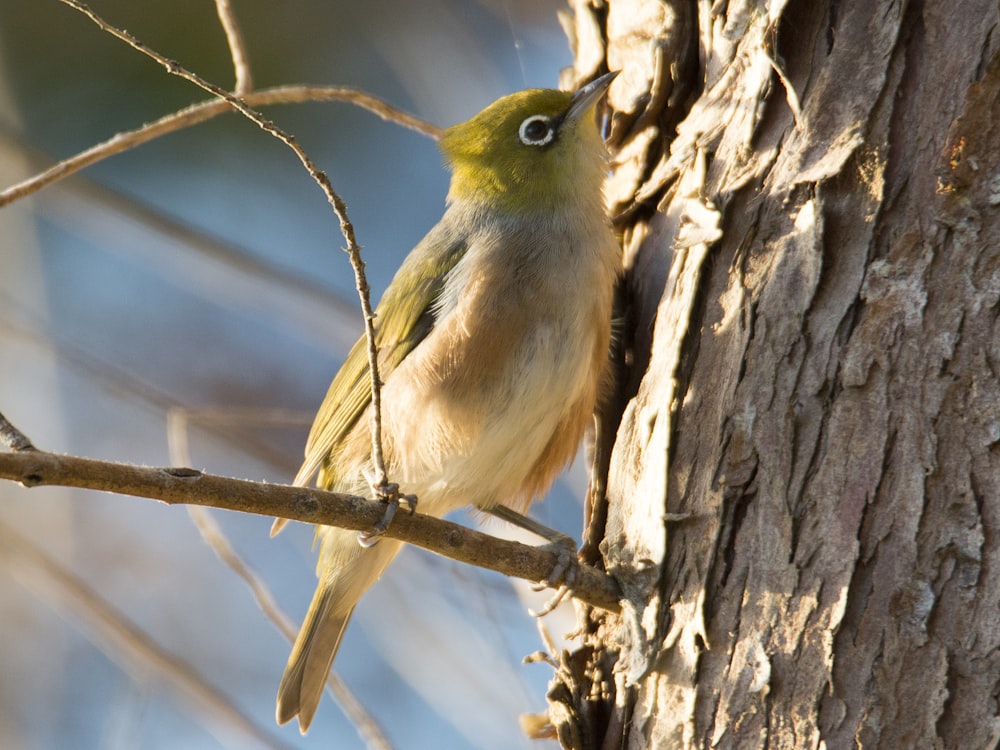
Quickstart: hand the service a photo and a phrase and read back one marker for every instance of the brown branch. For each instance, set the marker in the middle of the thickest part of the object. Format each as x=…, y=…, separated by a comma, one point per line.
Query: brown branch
x=237, y=47
x=203, y=111
x=339, y=208
x=188, y=486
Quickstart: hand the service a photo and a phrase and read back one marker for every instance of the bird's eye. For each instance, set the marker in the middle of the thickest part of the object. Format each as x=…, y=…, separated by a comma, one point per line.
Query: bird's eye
x=537, y=130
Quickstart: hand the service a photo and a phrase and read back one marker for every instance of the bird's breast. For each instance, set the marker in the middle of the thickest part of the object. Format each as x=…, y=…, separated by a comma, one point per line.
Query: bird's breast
x=495, y=400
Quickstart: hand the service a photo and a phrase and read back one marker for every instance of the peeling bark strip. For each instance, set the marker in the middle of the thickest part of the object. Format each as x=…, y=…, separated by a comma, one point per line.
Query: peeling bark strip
x=804, y=491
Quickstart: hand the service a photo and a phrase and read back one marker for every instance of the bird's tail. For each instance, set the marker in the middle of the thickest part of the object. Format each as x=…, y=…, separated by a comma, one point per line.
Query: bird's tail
x=346, y=571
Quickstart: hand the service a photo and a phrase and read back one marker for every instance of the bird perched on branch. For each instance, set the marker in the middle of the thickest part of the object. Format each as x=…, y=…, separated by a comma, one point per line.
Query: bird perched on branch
x=493, y=340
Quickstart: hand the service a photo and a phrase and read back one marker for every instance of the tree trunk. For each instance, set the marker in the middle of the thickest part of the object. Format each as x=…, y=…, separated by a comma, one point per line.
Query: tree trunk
x=803, y=500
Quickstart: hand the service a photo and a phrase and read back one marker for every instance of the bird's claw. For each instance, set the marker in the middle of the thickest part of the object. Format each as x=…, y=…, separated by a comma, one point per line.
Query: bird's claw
x=561, y=578
x=387, y=492
x=551, y=604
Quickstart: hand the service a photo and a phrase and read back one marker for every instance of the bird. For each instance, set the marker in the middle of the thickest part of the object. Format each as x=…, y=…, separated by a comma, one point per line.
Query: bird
x=493, y=340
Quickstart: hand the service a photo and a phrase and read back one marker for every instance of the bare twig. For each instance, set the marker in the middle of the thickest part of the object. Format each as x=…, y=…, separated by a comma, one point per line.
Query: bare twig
x=124, y=642
x=237, y=47
x=362, y=720
x=187, y=486
x=365, y=724
x=339, y=208
x=202, y=111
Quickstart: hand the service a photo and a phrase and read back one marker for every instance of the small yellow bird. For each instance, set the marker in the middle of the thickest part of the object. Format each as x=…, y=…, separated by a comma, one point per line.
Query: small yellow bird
x=493, y=346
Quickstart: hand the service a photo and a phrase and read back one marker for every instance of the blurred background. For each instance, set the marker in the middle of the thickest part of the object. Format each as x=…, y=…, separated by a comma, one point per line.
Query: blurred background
x=191, y=295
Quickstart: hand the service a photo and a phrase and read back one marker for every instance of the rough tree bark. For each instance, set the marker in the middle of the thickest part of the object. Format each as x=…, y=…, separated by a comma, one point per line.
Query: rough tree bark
x=803, y=501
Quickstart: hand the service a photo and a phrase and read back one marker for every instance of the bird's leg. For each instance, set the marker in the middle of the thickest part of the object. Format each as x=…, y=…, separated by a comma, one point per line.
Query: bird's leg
x=530, y=524
x=564, y=571
x=387, y=492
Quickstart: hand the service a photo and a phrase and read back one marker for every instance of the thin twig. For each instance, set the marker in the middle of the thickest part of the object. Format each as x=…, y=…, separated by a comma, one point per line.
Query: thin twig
x=125, y=642
x=211, y=533
x=309, y=505
x=237, y=47
x=203, y=111
x=362, y=720
x=339, y=208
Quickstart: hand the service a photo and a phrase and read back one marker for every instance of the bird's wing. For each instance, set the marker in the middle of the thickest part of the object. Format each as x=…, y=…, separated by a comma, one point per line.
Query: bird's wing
x=403, y=319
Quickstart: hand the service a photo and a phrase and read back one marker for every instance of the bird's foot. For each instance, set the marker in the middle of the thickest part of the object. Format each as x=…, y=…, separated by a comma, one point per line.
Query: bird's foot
x=388, y=493
x=562, y=576
x=564, y=546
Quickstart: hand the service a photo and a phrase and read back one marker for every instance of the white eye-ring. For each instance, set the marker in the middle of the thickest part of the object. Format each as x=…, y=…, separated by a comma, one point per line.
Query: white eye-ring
x=537, y=130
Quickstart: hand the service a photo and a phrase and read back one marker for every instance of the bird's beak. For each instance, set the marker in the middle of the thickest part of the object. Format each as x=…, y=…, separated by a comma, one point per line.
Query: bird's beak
x=586, y=98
